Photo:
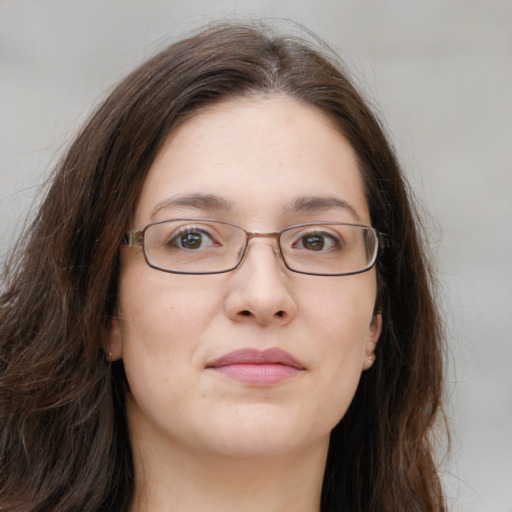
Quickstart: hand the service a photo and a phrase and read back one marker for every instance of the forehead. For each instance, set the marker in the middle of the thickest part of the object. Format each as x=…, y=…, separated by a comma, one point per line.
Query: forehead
x=256, y=158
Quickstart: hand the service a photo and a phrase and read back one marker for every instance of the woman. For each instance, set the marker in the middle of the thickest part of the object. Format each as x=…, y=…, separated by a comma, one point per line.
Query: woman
x=200, y=318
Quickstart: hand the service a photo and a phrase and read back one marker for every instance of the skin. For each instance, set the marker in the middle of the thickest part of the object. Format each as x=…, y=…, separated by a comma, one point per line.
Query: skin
x=201, y=440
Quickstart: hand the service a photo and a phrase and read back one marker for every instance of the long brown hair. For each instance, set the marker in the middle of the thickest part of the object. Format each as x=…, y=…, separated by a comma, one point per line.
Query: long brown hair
x=63, y=438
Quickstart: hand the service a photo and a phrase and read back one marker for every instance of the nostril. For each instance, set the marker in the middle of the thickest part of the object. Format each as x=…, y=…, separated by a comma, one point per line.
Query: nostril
x=280, y=314
x=245, y=313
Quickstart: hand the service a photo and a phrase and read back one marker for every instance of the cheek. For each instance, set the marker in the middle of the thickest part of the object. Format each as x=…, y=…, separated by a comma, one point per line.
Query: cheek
x=159, y=308
x=164, y=318
x=341, y=314
x=339, y=368
x=340, y=310
x=161, y=322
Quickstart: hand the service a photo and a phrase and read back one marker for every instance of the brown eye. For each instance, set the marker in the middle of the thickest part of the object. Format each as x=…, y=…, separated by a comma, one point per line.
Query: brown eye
x=191, y=240
x=313, y=242
x=317, y=241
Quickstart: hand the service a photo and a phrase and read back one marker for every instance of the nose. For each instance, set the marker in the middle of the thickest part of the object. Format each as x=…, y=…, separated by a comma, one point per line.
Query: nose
x=260, y=288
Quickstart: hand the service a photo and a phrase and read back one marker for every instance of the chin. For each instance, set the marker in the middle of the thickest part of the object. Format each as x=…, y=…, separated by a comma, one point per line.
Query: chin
x=266, y=432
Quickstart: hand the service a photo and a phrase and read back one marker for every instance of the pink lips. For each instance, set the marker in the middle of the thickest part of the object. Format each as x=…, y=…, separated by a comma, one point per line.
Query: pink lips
x=257, y=367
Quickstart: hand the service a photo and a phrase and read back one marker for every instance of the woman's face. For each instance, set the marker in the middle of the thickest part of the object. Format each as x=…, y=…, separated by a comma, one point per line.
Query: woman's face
x=192, y=344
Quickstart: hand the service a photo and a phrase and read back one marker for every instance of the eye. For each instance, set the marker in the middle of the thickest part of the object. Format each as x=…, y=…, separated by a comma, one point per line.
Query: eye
x=317, y=242
x=192, y=239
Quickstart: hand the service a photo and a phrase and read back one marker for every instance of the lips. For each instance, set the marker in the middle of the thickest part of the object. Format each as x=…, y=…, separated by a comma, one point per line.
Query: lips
x=257, y=367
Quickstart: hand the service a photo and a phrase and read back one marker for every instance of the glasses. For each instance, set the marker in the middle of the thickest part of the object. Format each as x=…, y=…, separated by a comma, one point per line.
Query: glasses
x=207, y=246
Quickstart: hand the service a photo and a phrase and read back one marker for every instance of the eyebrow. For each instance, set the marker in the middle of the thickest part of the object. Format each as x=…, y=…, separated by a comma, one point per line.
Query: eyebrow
x=313, y=204
x=198, y=201
x=302, y=204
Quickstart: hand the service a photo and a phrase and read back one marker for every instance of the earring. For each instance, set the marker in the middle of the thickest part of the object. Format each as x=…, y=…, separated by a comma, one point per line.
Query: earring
x=371, y=358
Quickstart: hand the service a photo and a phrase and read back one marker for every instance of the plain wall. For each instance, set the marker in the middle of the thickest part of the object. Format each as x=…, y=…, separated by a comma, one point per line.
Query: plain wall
x=440, y=73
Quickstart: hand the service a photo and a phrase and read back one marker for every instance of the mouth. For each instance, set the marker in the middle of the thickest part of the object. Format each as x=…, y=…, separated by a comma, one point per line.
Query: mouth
x=257, y=367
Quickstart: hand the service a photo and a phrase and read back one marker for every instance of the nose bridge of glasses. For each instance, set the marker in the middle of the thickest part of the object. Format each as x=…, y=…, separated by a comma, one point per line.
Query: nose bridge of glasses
x=275, y=236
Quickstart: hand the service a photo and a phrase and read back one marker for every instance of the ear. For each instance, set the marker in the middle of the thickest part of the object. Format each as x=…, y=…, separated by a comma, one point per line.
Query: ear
x=374, y=331
x=114, y=348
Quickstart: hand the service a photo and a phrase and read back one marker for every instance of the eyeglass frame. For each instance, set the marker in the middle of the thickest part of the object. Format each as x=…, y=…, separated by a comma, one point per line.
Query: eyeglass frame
x=135, y=238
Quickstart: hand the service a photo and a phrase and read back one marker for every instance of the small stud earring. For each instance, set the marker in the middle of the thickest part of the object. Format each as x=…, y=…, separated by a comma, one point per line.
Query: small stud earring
x=371, y=358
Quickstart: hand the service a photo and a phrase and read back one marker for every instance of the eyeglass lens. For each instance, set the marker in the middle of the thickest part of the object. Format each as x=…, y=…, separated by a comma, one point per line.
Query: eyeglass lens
x=196, y=246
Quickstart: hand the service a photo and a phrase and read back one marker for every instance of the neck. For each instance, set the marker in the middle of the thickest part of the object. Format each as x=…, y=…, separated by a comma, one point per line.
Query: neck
x=176, y=479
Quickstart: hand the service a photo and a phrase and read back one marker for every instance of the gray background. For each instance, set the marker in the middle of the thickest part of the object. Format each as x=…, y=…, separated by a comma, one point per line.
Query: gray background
x=440, y=73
